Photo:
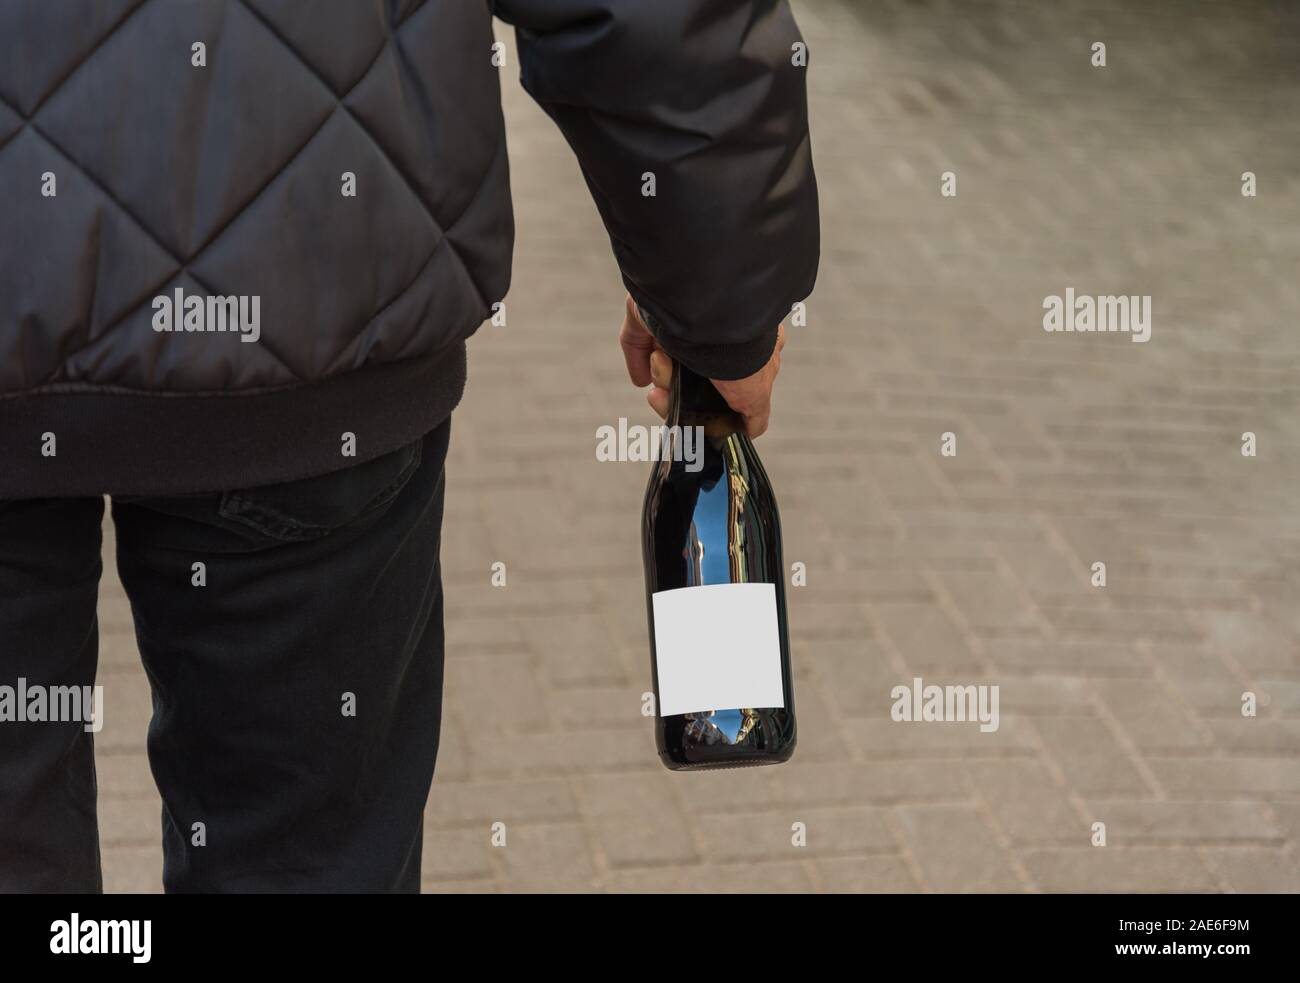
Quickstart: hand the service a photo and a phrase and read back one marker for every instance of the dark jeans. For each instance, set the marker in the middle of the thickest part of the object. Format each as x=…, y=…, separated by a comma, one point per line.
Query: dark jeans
x=296, y=677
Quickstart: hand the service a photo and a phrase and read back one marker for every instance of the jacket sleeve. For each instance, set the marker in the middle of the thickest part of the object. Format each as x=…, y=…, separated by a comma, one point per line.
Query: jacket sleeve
x=705, y=99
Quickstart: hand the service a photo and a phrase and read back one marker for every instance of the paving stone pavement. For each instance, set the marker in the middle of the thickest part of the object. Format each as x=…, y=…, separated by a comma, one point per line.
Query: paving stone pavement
x=1119, y=704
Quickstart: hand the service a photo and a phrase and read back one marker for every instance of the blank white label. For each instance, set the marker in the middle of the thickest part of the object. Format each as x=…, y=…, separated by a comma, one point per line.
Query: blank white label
x=717, y=647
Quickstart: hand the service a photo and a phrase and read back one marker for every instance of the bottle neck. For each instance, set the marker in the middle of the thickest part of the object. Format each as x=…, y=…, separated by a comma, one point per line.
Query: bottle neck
x=696, y=400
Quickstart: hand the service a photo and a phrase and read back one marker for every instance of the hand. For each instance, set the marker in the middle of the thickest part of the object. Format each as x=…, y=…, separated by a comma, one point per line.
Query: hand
x=647, y=363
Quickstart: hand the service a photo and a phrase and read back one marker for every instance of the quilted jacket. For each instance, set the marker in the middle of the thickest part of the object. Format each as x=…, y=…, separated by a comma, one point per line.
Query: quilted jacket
x=238, y=237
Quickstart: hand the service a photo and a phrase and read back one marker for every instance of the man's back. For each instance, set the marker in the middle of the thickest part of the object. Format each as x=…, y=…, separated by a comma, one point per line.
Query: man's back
x=249, y=237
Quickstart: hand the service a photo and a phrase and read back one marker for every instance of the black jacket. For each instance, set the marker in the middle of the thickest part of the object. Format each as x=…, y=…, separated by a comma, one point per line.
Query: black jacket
x=235, y=232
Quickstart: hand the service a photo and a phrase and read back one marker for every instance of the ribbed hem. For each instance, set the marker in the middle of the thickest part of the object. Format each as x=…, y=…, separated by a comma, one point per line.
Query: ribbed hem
x=121, y=444
x=737, y=360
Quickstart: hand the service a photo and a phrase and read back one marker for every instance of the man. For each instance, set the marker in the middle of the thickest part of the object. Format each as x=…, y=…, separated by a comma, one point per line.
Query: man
x=243, y=244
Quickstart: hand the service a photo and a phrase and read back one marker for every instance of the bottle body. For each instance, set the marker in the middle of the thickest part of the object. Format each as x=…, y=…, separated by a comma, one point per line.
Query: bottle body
x=715, y=585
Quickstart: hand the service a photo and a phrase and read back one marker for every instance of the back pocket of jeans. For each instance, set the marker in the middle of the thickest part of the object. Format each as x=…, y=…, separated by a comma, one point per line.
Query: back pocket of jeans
x=313, y=507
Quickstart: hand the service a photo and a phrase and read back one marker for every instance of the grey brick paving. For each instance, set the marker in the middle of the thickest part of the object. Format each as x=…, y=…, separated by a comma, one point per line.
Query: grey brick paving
x=1121, y=704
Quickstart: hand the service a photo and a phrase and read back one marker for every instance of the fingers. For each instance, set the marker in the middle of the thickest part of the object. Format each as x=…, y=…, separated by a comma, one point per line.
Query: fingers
x=661, y=375
x=647, y=363
x=649, y=366
x=658, y=400
x=756, y=421
x=756, y=425
x=661, y=369
x=759, y=415
x=638, y=344
x=751, y=397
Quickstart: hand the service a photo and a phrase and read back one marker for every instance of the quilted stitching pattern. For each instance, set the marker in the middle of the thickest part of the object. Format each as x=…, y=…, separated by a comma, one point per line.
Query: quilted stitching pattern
x=10, y=123
x=226, y=180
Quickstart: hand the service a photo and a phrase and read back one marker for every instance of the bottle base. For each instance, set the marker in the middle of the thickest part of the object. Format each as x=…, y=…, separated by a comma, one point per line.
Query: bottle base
x=676, y=764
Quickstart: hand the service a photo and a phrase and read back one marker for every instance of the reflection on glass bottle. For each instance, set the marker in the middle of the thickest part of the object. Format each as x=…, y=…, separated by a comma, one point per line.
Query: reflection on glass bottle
x=715, y=524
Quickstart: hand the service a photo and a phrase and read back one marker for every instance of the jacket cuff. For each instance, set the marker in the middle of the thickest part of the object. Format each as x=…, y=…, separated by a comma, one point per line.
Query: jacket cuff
x=726, y=362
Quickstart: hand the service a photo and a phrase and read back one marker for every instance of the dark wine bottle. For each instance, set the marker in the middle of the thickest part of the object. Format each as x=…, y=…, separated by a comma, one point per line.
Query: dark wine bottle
x=715, y=591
